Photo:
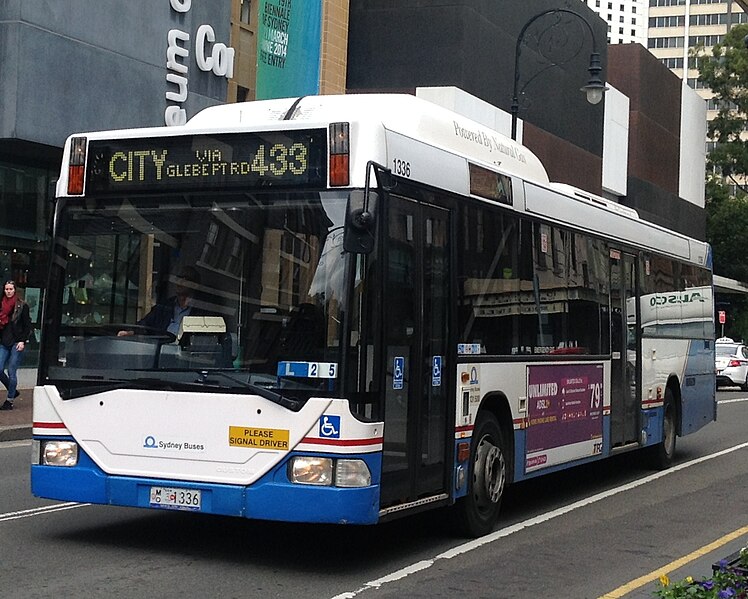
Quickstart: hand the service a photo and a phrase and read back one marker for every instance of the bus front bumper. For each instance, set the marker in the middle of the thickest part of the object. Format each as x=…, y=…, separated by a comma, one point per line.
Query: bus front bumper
x=272, y=497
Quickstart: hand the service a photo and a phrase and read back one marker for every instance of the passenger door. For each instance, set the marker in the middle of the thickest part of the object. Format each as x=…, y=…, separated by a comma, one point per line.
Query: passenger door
x=625, y=344
x=418, y=361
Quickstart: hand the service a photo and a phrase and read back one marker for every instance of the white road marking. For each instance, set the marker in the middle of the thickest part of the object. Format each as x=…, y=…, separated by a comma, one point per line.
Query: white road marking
x=736, y=400
x=540, y=519
x=40, y=511
x=11, y=444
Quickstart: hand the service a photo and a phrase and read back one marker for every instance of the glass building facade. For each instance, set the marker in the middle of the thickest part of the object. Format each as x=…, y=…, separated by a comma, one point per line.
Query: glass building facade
x=25, y=209
x=45, y=97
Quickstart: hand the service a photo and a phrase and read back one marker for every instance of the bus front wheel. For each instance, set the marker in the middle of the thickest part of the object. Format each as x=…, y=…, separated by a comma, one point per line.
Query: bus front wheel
x=478, y=512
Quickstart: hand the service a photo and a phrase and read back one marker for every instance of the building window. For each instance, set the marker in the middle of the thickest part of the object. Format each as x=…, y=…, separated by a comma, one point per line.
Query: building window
x=244, y=11
x=706, y=40
x=670, y=21
x=693, y=82
x=710, y=19
x=666, y=42
x=715, y=104
x=673, y=63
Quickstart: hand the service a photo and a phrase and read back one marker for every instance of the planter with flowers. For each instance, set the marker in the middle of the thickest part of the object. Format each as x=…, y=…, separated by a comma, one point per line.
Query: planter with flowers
x=729, y=580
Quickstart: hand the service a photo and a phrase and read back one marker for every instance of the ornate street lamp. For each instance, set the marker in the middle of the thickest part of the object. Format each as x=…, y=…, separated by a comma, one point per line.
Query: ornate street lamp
x=595, y=87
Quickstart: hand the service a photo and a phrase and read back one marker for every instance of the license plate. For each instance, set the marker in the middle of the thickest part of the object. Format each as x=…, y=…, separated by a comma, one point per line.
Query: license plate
x=174, y=498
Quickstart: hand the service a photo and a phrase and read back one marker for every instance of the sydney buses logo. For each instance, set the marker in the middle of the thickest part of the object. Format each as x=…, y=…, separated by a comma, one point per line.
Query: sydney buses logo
x=150, y=442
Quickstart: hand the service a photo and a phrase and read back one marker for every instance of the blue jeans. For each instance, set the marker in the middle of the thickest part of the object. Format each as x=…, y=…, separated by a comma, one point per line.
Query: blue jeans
x=10, y=357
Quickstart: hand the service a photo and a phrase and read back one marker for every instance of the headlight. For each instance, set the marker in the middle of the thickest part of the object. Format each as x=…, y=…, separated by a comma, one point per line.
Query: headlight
x=59, y=453
x=310, y=470
x=352, y=473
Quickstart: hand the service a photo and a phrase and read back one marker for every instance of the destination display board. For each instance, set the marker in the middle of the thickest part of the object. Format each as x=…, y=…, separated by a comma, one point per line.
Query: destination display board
x=296, y=158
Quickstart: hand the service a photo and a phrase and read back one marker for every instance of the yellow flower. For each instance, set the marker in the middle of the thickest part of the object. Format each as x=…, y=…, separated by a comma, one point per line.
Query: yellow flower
x=689, y=579
x=664, y=580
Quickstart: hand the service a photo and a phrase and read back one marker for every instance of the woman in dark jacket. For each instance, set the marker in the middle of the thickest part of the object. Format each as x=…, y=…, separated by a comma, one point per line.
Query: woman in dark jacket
x=15, y=330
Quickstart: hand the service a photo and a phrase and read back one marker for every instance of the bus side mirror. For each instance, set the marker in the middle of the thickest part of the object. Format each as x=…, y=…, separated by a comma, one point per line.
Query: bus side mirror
x=52, y=199
x=360, y=222
x=52, y=191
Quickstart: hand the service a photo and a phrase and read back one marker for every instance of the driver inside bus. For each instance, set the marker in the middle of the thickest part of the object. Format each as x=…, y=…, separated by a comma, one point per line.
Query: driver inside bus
x=167, y=316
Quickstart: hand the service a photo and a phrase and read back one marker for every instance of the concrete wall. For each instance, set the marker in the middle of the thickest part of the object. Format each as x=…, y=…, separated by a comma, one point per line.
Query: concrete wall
x=470, y=44
x=615, y=143
x=693, y=127
x=654, y=143
x=76, y=65
x=666, y=141
x=334, y=57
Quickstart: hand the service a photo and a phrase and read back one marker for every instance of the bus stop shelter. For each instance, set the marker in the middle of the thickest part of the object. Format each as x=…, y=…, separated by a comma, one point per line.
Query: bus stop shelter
x=728, y=296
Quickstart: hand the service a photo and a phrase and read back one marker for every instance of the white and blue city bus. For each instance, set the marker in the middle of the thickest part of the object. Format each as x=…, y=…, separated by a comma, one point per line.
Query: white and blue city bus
x=392, y=309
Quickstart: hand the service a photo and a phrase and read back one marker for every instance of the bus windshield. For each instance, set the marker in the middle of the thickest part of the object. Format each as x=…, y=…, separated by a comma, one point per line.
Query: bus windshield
x=223, y=290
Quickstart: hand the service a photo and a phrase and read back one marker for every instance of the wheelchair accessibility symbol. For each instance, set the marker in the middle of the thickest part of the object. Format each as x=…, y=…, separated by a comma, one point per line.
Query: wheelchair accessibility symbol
x=436, y=371
x=329, y=427
x=398, y=372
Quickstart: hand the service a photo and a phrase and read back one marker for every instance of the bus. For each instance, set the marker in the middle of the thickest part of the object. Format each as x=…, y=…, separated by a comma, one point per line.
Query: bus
x=388, y=308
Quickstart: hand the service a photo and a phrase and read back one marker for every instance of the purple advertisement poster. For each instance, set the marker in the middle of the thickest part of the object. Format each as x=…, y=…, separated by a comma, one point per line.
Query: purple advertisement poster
x=565, y=407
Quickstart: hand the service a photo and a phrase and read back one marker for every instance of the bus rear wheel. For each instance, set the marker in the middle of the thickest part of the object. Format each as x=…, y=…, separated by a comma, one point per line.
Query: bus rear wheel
x=478, y=512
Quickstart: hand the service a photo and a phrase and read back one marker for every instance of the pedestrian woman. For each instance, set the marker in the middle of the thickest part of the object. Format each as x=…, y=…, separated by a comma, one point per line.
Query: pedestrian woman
x=16, y=330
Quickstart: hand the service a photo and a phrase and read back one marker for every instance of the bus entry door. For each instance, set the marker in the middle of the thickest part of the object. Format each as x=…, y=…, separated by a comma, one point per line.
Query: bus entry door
x=416, y=320
x=624, y=340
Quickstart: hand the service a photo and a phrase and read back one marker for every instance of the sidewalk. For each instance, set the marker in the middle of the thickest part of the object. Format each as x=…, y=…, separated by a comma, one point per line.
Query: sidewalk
x=15, y=424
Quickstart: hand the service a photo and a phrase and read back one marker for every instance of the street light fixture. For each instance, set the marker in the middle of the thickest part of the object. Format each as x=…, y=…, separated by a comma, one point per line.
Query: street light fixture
x=595, y=87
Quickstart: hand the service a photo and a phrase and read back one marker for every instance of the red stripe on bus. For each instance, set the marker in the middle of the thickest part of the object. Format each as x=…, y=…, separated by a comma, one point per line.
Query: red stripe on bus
x=464, y=429
x=343, y=442
x=49, y=425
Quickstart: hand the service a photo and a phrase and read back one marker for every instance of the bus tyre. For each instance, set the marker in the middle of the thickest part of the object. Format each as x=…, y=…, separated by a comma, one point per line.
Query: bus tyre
x=477, y=513
x=662, y=453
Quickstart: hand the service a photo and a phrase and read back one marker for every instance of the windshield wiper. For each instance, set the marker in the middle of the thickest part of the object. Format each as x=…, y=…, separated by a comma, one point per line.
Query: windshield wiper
x=286, y=402
x=170, y=385
x=139, y=383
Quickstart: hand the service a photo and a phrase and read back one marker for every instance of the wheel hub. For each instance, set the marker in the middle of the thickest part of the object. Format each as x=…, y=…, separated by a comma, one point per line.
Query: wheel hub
x=490, y=472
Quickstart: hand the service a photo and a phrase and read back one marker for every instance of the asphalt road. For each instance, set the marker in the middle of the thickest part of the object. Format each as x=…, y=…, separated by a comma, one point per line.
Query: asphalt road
x=603, y=530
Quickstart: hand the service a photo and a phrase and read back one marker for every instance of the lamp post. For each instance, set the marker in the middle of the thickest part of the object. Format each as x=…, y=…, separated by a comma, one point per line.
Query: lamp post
x=595, y=87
